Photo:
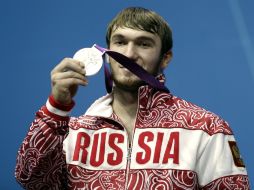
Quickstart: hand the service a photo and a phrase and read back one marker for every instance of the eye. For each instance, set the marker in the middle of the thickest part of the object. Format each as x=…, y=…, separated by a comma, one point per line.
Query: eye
x=119, y=42
x=144, y=44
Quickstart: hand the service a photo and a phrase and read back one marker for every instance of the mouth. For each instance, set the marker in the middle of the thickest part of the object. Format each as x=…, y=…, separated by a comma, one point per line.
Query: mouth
x=121, y=66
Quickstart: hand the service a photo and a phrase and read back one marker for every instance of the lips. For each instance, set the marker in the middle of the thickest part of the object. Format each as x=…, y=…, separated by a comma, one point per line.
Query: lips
x=120, y=66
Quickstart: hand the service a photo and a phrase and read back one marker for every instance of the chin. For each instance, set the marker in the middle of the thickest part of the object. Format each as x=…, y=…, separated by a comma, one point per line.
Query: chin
x=128, y=84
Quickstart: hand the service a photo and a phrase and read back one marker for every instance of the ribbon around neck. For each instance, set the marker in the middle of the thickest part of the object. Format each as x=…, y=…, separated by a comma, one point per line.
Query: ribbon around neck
x=133, y=67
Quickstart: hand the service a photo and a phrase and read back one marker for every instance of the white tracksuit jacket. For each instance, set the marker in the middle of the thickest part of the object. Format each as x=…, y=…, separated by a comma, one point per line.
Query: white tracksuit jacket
x=176, y=145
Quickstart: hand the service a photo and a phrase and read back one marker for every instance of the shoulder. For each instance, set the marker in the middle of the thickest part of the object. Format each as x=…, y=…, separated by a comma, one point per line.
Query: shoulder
x=194, y=117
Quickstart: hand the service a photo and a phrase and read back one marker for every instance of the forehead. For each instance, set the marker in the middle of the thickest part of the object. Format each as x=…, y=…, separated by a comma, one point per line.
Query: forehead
x=132, y=34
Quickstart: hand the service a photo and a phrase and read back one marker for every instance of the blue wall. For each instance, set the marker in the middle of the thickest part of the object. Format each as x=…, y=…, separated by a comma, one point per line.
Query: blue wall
x=213, y=64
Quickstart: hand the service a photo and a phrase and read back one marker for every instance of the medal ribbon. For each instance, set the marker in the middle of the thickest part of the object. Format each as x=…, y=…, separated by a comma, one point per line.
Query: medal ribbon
x=133, y=67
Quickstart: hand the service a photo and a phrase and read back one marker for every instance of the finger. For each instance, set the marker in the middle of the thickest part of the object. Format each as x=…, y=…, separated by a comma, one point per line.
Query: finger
x=68, y=74
x=70, y=82
x=69, y=64
x=61, y=78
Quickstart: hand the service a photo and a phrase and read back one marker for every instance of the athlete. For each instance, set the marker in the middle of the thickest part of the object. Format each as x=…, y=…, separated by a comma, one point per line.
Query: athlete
x=135, y=137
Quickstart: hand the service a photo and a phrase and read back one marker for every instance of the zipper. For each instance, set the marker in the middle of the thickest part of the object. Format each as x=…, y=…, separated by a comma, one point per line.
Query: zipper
x=128, y=166
x=129, y=148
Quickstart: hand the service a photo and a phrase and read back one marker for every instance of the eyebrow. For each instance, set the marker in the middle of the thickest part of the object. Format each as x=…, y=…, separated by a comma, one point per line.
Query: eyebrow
x=122, y=37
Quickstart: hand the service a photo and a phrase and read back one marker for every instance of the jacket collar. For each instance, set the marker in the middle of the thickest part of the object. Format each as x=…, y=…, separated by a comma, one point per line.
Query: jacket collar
x=102, y=107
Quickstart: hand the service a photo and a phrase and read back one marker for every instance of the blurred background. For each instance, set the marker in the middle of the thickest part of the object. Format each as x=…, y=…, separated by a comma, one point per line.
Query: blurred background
x=213, y=64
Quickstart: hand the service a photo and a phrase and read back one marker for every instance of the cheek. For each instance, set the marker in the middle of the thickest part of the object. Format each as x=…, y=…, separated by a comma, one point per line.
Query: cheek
x=114, y=66
x=152, y=62
x=113, y=63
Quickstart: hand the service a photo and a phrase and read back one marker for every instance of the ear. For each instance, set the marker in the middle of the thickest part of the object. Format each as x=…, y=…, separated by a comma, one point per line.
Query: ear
x=166, y=59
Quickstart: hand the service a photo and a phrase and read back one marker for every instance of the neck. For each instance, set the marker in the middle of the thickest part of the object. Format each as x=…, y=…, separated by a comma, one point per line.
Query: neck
x=125, y=102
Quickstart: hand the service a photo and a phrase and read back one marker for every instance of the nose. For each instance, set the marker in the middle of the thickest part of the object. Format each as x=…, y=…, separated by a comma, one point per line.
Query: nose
x=131, y=51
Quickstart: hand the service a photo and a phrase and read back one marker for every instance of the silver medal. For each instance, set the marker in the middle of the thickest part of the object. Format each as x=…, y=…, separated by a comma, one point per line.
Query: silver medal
x=92, y=59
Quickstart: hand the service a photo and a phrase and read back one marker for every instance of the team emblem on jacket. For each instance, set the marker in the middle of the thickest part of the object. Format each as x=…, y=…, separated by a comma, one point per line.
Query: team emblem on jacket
x=236, y=154
x=107, y=148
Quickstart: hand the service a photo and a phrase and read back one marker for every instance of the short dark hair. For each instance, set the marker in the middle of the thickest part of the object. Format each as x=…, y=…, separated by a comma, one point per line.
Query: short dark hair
x=143, y=19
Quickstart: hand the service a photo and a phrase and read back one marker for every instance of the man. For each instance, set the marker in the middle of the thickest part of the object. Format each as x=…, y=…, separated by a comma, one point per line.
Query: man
x=137, y=137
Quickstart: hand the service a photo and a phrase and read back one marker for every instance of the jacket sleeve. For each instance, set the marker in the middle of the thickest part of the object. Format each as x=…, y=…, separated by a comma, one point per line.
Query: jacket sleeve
x=221, y=166
x=41, y=161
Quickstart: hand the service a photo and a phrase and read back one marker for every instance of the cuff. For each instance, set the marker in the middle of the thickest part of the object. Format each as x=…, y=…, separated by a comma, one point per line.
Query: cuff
x=57, y=108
